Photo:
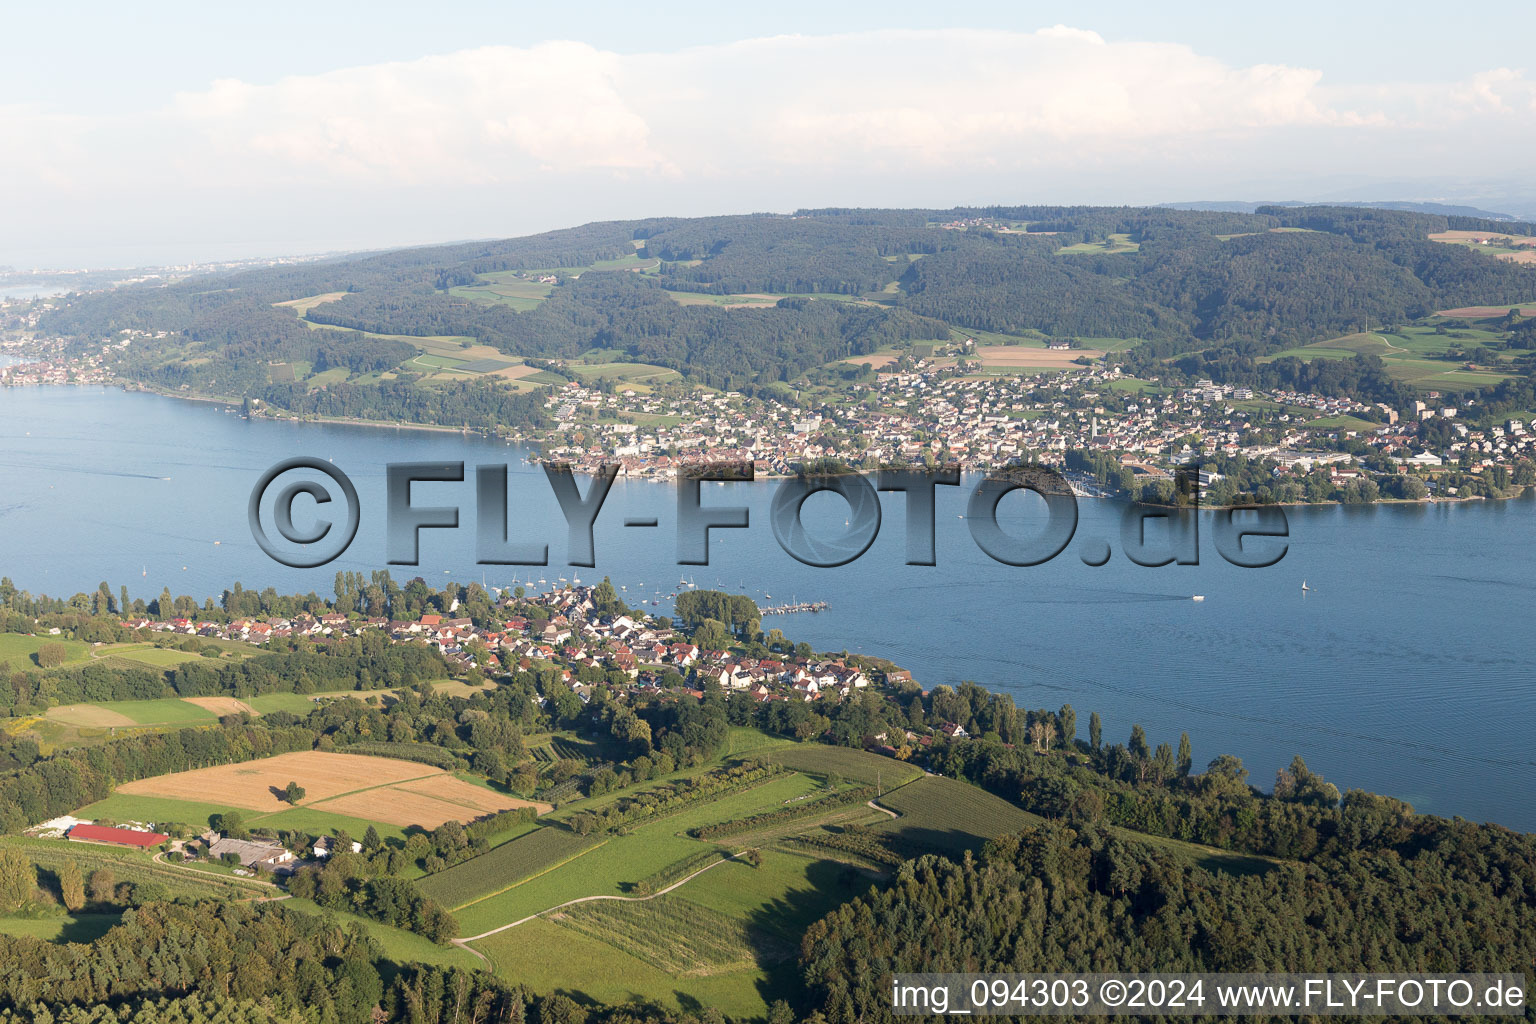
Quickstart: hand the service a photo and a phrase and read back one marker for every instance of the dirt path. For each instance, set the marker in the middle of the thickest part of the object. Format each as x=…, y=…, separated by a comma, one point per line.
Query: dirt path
x=884, y=810
x=591, y=899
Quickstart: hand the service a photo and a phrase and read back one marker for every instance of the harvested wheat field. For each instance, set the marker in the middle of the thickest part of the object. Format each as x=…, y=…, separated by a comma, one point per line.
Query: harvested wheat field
x=1478, y=236
x=1019, y=355
x=515, y=372
x=457, y=791
x=1479, y=312
x=222, y=705
x=90, y=716
x=255, y=785
x=426, y=802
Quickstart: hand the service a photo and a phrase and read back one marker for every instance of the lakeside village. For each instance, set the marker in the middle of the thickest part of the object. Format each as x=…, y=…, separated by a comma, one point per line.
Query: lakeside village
x=1093, y=422
x=658, y=660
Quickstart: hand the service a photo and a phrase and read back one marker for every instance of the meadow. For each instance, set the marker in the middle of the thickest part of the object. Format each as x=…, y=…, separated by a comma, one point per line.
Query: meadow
x=119, y=713
x=20, y=649
x=854, y=765
x=1113, y=245
x=724, y=939
x=947, y=816
x=60, y=928
x=1413, y=355
x=550, y=958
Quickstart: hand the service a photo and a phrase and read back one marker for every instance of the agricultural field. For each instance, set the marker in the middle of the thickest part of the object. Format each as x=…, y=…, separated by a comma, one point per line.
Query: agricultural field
x=120, y=713
x=759, y=300
x=1484, y=312
x=250, y=784
x=643, y=375
x=675, y=935
x=349, y=787
x=294, y=703
x=500, y=869
x=505, y=288
x=20, y=649
x=155, y=657
x=854, y=765
x=619, y=863
x=947, y=816
x=1112, y=245
x=309, y=302
x=725, y=938
x=548, y=957
x=1505, y=245
x=1016, y=358
x=1414, y=355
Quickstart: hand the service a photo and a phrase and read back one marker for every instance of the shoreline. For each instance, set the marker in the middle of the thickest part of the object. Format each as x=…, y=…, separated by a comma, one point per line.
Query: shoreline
x=535, y=446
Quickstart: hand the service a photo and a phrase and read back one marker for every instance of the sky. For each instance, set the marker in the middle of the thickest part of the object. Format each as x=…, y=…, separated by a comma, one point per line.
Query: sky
x=173, y=132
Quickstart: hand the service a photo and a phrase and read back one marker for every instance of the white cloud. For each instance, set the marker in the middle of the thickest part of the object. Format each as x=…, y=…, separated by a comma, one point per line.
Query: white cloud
x=943, y=98
x=500, y=139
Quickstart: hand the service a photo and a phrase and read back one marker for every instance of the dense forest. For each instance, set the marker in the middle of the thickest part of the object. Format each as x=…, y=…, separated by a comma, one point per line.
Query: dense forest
x=1231, y=286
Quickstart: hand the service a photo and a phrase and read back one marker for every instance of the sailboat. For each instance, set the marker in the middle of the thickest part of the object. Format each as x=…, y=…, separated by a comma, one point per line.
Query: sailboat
x=1304, y=585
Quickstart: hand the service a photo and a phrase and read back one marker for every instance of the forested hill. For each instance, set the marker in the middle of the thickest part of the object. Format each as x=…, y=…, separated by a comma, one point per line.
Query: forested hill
x=1181, y=280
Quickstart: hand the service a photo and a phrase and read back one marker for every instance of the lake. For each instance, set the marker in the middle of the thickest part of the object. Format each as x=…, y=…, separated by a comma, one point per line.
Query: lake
x=1407, y=669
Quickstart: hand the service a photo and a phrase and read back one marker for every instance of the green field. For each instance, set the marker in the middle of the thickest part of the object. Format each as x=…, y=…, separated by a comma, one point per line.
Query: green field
x=294, y=703
x=614, y=868
x=68, y=928
x=632, y=373
x=948, y=816
x=1343, y=423
x=504, y=289
x=153, y=810
x=1113, y=244
x=156, y=657
x=725, y=939
x=548, y=957
x=1411, y=356
x=167, y=711
x=854, y=765
x=20, y=649
x=159, y=810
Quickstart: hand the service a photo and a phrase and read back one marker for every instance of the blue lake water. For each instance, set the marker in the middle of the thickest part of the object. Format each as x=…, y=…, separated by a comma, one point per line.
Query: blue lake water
x=1407, y=670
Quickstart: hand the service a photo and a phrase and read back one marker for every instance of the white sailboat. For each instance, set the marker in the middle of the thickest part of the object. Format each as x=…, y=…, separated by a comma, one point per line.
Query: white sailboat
x=1304, y=585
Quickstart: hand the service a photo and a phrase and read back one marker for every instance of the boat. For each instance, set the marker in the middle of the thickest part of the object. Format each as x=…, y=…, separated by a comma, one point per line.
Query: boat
x=1304, y=585
x=1198, y=597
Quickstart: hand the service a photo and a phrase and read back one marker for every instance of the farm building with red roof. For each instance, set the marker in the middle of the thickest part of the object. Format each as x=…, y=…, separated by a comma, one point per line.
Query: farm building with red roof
x=117, y=836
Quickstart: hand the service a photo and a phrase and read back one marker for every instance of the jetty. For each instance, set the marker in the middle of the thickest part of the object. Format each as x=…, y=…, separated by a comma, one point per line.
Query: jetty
x=794, y=608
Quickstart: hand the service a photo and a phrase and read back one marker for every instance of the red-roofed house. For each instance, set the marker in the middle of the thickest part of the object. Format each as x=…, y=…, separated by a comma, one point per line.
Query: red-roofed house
x=117, y=836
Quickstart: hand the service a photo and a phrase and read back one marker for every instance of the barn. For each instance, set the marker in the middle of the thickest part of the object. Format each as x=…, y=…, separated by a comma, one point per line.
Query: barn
x=117, y=836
